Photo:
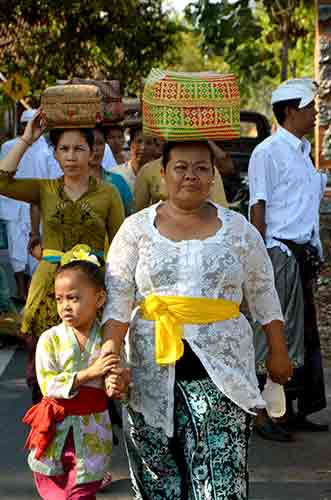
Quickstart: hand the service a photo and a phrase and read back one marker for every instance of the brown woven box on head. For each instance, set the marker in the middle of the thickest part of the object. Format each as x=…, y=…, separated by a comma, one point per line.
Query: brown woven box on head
x=191, y=106
x=67, y=106
x=113, y=108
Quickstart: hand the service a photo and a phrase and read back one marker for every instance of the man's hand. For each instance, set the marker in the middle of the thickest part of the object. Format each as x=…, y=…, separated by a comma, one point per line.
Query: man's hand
x=279, y=367
x=35, y=246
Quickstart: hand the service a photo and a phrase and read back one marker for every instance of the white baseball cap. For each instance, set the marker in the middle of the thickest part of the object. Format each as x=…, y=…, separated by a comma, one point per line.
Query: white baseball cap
x=27, y=115
x=304, y=89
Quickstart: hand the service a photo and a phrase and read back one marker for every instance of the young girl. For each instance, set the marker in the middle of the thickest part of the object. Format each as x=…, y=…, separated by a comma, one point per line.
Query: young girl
x=71, y=435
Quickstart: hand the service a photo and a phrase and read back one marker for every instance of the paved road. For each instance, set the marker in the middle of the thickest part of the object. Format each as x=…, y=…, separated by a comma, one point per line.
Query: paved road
x=296, y=471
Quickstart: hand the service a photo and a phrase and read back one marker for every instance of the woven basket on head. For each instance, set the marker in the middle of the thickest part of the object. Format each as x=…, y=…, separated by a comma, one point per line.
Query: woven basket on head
x=113, y=108
x=191, y=106
x=68, y=106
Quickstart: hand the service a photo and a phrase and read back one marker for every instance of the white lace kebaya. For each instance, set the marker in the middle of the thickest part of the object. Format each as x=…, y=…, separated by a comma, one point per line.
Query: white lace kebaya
x=231, y=264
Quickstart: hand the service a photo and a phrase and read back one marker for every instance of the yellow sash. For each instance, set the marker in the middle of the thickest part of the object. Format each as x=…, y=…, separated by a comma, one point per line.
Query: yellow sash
x=171, y=313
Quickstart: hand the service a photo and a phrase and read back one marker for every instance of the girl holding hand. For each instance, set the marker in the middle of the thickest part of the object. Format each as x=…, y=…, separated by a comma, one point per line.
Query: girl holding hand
x=71, y=433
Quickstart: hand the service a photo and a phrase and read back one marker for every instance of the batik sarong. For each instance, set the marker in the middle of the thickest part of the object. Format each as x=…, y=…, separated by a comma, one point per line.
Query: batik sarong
x=205, y=459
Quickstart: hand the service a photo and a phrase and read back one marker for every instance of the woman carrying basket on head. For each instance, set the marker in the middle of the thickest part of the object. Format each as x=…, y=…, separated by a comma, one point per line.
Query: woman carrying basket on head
x=182, y=267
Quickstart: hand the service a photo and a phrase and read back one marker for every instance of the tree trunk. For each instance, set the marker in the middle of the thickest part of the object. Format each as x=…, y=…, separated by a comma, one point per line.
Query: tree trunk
x=285, y=48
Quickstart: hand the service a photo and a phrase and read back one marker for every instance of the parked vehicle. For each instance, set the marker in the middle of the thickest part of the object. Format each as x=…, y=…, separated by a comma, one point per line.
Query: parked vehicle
x=254, y=128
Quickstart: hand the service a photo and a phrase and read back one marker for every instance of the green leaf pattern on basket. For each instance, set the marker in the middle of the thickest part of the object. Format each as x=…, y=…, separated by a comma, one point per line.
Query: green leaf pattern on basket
x=191, y=106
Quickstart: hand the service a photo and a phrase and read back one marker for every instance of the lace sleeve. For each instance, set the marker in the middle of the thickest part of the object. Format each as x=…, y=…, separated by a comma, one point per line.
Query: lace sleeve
x=120, y=274
x=259, y=283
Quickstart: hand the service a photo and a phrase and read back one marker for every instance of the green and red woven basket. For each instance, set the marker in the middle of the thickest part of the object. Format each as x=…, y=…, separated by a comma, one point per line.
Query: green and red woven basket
x=191, y=106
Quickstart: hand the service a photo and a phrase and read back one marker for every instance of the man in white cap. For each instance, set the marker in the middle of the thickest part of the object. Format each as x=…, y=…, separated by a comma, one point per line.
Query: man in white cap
x=285, y=194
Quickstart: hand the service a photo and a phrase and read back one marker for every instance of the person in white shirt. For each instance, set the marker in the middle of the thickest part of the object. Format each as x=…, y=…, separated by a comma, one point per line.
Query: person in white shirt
x=285, y=194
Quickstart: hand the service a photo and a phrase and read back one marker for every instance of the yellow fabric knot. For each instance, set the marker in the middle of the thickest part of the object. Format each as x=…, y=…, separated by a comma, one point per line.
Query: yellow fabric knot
x=156, y=306
x=78, y=252
x=170, y=313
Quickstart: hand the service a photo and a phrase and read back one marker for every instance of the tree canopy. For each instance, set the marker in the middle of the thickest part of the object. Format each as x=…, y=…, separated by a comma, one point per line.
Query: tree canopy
x=263, y=43
x=46, y=40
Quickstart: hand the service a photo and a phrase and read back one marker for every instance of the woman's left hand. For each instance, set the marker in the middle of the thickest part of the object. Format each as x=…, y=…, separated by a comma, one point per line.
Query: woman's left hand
x=35, y=128
x=279, y=367
x=117, y=382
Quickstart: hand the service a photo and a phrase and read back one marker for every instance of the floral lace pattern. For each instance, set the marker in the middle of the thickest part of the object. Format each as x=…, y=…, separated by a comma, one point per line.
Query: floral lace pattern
x=230, y=265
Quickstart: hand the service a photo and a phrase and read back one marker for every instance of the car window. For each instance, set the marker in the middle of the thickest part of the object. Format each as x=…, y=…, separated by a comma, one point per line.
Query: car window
x=248, y=129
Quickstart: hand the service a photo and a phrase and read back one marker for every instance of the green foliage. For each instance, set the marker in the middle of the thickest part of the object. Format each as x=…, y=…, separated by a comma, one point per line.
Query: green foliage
x=46, y=40
x=262, y=45
x=189, y=55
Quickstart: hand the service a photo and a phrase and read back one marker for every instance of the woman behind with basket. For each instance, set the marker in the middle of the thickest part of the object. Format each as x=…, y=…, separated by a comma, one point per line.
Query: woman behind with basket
x=74, y=210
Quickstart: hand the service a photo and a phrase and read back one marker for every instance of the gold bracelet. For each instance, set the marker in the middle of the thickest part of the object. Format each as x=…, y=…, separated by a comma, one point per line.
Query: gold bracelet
x=29, y=144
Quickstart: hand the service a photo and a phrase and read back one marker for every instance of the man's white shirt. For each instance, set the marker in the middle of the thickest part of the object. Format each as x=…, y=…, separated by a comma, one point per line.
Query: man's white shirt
x=282, y=174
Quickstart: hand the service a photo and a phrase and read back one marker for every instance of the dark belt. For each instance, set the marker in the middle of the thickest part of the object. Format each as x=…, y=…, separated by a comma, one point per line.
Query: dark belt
x=306, y=256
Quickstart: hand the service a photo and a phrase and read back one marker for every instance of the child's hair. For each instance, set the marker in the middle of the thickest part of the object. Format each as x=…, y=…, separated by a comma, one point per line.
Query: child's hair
x=93, y=273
